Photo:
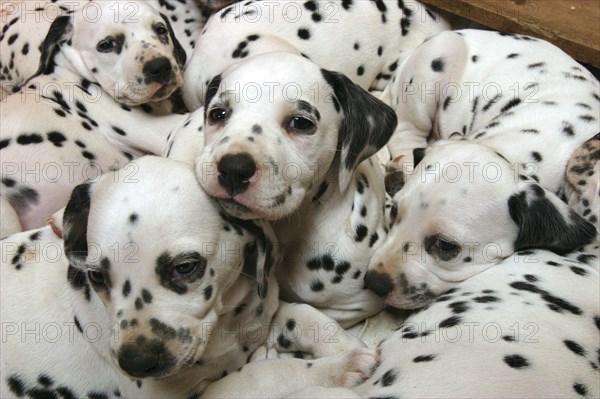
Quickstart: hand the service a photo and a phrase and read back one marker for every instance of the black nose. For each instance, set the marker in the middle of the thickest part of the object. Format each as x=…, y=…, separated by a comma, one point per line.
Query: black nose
x=379, y=283
x=158, y=70
x=235, y=172
x=139, y=361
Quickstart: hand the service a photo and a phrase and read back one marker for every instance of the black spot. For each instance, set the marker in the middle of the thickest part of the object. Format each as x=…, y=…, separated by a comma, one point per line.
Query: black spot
x=12, y=38
x=304, y=33
x=283, y=341
x=361, y=233
x=119, y=131
x=389, y=377
x=568, y=129
x=555, y=303
x=438, y=65
x=257, y=129
x=16, y=385
x=511, y=104
x=88, y=155
x=531, y=278
x=373, y=239
x=162, y=329
x=508, y=338
x=458, y=307
x=516, y=361
x=208, y=292
x=423, y=358
x=450, y=322
x=139, y=305
x=574, y=347
x=360, y=70
x=126, y=288
x=32, y=138
x=146, y=296
x=317, y=286
x=580, y=389
x=4, y=143
x=586, y=258
x=580, y=271
x=485, y=299
x=133, y=218
x=536, y=156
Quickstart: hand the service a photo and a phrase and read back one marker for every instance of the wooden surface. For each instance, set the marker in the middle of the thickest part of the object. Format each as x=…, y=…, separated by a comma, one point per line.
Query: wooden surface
x=572, y=25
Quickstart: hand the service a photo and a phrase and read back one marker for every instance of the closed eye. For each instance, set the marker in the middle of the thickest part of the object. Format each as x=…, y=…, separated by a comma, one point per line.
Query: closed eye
x=442, y=247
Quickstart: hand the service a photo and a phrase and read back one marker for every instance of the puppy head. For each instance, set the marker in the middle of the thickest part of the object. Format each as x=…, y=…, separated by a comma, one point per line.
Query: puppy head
x=127, y=47
x=161, y=260
x=463, y=210
x=276, y=125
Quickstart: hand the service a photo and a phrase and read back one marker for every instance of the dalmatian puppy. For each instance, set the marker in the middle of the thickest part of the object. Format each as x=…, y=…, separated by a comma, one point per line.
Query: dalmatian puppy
x=462, y=211
x=302, y=160
x=25, y=24
x=521, y=96
x=64, y=126
x=527, y=328
x=365, y=40
x=147, y=302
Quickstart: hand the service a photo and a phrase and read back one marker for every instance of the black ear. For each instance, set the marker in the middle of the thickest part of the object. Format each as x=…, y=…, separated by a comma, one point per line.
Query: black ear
x=418, y=155
x=178, y=51
x=545, y=222
x=75, y=222
x=367, y=126
x=60, y=30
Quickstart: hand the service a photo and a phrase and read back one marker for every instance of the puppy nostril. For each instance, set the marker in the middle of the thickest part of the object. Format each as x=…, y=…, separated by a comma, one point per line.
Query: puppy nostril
x=380, y=283
x=235, y=172
x=158, y=70
x=138, y=361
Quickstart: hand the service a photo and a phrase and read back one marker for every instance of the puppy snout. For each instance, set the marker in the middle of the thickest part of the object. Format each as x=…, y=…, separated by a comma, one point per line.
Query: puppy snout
x=158, y=70
x=380, y=283
x=139, y=361
x=235, y=172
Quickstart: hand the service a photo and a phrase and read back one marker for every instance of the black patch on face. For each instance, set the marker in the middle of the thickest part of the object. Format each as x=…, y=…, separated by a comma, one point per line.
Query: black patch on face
x=211, y=91
x=162, y=330
x=126, y=289
x=283, y=341
x=78, y=280
x=516, y=361
x=165, y=265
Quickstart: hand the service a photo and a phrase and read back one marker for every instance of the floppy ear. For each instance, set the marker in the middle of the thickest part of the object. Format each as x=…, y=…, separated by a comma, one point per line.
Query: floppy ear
x=178, y=51
x=266, y=243
x=545, y=222
x=60, y=31
x=367, y=126
x=418, y=155
x=75, y=222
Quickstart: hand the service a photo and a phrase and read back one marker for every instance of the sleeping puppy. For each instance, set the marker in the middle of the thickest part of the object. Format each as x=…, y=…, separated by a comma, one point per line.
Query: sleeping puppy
x=463, y=210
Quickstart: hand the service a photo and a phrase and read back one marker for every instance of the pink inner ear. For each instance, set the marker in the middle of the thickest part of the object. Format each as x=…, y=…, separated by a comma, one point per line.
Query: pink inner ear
x=56, y=223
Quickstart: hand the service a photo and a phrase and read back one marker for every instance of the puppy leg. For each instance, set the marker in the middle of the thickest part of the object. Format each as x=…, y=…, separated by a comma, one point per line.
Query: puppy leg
x=421, y=87
x=300, y=327
x=281, y=377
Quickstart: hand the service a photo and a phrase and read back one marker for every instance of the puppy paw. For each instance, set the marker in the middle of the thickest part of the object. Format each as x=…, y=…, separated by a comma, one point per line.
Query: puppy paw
x=358, y=366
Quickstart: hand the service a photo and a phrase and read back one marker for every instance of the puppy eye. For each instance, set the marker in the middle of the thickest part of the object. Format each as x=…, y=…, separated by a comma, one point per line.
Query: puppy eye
x=217, y=115
x=301, y=124
x=183, y=270
x=96, y=277
x=160, y=29
x=443, y=248
x=107, y=45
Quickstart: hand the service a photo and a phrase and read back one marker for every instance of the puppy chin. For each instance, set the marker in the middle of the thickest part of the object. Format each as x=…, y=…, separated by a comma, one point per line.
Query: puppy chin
x=151, y=93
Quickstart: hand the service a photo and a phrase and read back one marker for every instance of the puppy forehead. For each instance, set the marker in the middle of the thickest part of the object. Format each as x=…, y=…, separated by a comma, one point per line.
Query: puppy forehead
x=276, y=76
